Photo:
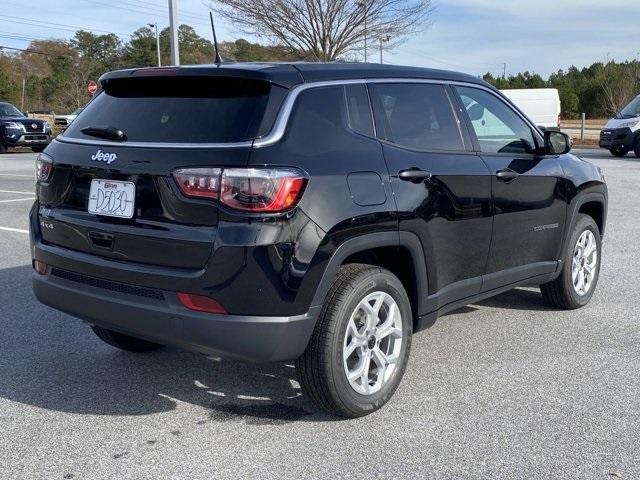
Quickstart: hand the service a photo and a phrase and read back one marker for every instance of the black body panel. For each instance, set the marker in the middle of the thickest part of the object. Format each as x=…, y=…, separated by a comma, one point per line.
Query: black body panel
x=529, y=211
x=465, y=233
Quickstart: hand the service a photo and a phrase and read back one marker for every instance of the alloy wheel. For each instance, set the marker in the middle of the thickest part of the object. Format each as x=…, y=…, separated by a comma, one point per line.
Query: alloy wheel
x=584, y=262
x=372, y=343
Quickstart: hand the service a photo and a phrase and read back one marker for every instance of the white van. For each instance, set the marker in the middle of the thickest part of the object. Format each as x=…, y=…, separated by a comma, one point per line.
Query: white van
x=621, y=134
x=541, y=105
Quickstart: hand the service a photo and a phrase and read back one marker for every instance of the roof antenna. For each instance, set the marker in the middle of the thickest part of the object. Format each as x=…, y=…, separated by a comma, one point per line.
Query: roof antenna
x=218, y=59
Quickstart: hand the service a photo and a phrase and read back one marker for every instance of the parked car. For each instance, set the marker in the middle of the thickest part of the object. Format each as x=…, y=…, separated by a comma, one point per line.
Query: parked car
x=541, y=105
x=18, y=130
x=321, y=213
x=621, y=134
x=63, y=121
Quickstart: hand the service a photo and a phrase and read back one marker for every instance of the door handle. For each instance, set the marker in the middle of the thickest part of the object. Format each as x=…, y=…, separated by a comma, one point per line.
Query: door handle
x=415, y=175
x=506, y=174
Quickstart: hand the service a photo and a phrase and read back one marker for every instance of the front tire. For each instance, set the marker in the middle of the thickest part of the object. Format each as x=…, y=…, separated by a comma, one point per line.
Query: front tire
x=359, y=349
x=636, y=148
x=124, y=342
x=581, y=267
x=3, y=148
x=37, y=149
x=619, y=152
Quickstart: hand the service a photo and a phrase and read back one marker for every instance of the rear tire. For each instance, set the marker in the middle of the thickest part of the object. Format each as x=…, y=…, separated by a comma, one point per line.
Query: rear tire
x=364, y=331
x=619, y=152
x=3, y=148
x=579, y=277
x=636, y=148
x=124, y=342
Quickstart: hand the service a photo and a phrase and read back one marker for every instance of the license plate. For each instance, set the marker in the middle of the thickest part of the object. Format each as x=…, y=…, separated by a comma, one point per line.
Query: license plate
x=112, y=198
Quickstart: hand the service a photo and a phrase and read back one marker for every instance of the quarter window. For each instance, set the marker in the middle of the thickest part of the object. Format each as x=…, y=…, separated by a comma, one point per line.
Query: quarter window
x=498, y=128
x=358, y=109
x=417, y=116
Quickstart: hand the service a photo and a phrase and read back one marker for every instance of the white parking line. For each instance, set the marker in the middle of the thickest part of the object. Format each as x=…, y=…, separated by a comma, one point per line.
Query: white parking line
x=18, y=230
x=15, y=175
x=14, y=191
x=17, y=199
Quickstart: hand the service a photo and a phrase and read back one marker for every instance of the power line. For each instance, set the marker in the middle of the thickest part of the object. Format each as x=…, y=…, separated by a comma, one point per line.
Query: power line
x=53, y=25
x=13, y=36
x=29, y=50
x=447, y=63
x=192, y=18
x=143, y=9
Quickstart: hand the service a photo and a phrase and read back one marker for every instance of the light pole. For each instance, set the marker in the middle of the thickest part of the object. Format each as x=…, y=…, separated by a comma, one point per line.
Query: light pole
x=384, y=39
x=155, y=25
x=363, y=4
x=173, y=33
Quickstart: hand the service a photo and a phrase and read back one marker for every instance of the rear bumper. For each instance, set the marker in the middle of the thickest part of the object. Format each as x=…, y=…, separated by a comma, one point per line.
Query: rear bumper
x=158, y=316
x=619, y=138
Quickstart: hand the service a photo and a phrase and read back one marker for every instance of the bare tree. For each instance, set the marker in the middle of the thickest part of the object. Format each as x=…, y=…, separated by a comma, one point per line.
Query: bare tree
x=327, y=29
x=619, y=85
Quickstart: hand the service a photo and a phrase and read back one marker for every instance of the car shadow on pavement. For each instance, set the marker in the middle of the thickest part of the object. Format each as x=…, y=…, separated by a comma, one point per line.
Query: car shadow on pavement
x=53, y=361
x=518, y=299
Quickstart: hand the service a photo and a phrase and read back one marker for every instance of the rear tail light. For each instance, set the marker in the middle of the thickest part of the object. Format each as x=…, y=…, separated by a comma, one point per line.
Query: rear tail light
x=261, y=190
x=200, y=303
x=44, y=168
x=265, y=190
x=198, y=182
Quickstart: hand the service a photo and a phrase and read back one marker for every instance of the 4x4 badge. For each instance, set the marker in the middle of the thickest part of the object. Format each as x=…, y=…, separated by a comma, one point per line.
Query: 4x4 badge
x=101, y=156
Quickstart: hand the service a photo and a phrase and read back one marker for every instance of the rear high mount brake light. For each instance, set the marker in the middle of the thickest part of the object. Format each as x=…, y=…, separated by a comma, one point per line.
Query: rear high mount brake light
x=264, y=190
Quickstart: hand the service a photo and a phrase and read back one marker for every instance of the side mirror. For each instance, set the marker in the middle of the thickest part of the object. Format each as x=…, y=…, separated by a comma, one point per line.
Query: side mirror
x=557, y=143
x=476, y=112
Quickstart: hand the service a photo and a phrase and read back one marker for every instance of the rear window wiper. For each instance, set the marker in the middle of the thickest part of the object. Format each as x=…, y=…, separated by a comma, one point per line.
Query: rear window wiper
x=109, y=133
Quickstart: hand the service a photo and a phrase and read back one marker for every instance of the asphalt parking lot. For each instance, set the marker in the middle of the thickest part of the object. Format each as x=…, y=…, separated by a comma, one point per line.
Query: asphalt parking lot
x=507, y=388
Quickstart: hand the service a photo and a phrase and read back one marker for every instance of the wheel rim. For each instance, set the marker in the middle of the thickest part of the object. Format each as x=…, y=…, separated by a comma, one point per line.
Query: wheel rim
x=584, y=263
x=372, y=343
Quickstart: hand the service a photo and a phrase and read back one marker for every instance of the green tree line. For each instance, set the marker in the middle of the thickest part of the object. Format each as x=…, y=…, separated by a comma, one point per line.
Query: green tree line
x=599, y=90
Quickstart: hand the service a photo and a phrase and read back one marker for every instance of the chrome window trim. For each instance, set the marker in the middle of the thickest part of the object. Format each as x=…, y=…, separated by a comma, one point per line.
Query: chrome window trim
x=282, y=119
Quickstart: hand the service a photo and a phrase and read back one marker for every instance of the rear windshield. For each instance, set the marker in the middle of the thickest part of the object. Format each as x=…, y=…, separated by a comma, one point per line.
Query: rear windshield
x=178, y=109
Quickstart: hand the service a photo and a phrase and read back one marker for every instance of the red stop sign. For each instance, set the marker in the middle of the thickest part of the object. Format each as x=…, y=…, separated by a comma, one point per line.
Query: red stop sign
x=92, y=87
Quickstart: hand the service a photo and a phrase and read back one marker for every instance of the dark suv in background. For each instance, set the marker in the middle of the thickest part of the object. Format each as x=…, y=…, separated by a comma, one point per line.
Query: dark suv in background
x=321, y=213
x=17, y=130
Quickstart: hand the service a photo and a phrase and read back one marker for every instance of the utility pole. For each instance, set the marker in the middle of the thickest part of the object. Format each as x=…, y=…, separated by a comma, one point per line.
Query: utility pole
x=155, y=25
x=363, y=4
x=504, y=71
x=173, y=33
x=383, y=39
x=24, y=84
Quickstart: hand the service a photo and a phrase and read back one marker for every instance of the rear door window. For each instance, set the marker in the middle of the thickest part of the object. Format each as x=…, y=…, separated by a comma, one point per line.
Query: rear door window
x=417, y=116
x=179, y=109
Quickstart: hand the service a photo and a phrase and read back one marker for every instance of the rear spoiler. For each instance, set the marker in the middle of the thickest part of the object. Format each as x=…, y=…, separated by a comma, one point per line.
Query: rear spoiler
x=279, y=74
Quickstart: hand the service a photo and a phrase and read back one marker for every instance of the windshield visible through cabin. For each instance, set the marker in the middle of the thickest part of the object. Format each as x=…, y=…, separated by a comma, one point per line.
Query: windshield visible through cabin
x=632, y=110
x=8, y=110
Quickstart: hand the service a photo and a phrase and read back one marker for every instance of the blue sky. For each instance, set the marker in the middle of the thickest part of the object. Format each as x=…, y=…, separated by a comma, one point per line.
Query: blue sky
x=474, y=36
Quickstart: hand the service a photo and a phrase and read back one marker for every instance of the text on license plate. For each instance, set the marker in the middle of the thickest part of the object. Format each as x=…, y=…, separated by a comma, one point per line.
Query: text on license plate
x=112, y=198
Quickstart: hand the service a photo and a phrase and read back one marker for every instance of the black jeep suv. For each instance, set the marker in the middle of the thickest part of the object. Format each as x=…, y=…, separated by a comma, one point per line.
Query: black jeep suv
x=321, y=213
x=16, y=130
